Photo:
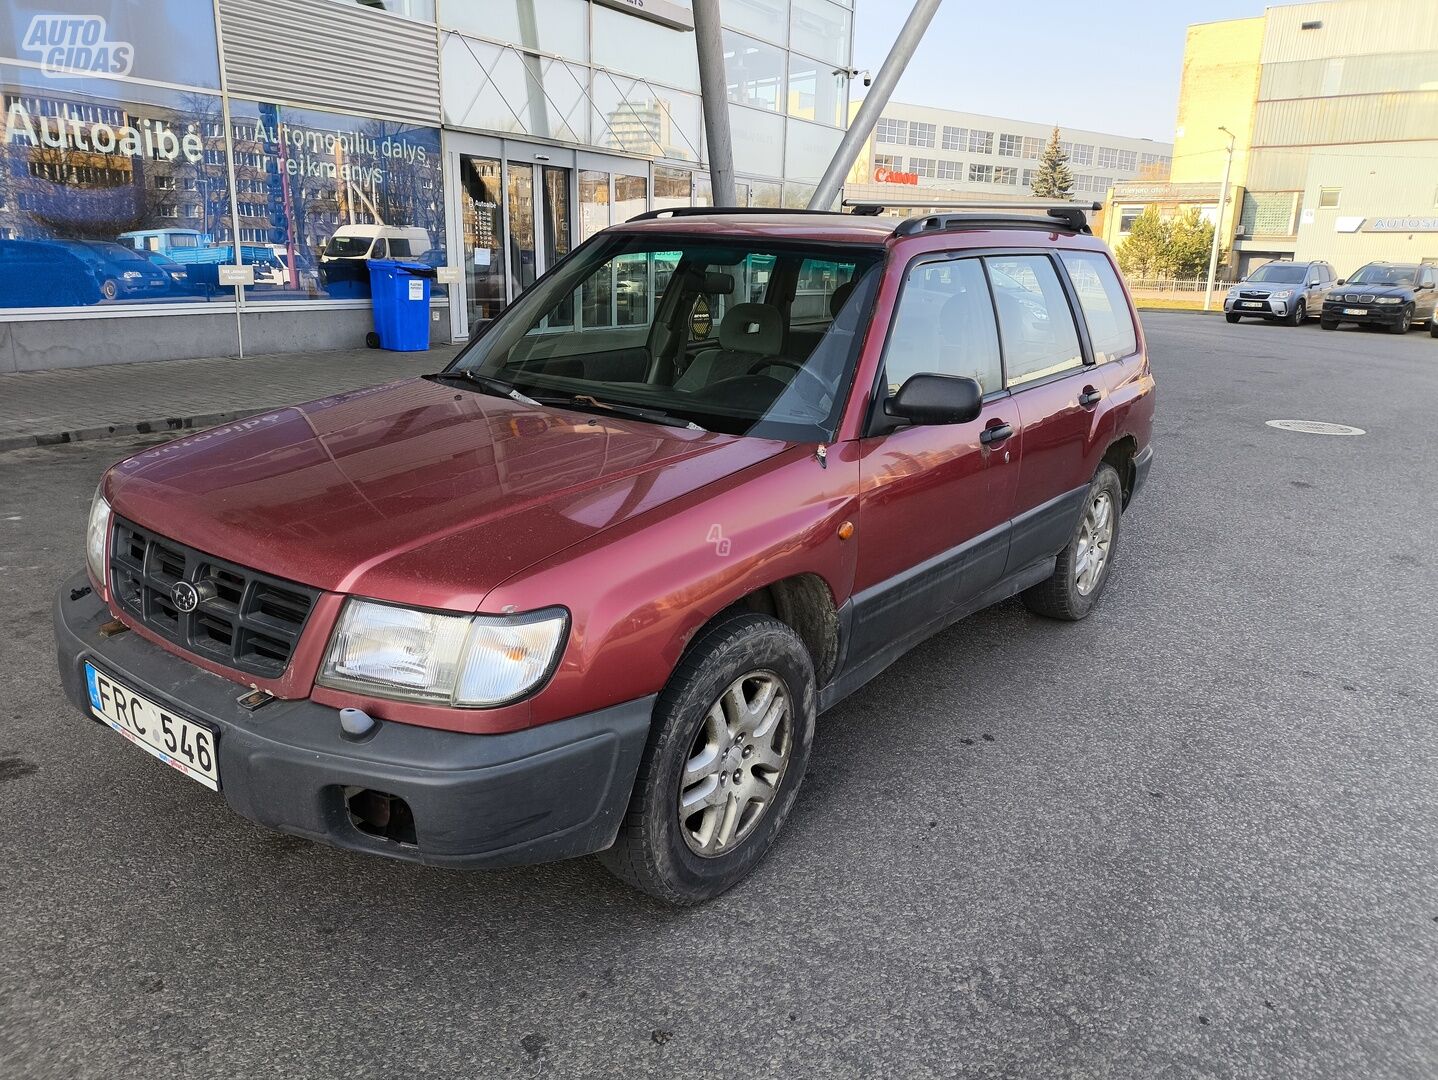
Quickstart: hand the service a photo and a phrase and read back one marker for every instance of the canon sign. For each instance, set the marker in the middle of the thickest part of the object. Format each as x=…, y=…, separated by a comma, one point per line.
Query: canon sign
x=77, y=45
x=889, y=176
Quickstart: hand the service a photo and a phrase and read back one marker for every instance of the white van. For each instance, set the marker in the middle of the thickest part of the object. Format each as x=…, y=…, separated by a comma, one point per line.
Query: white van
x=376, y=242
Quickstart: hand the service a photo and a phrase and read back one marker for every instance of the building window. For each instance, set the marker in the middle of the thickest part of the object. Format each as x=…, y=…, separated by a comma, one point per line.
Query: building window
x=1328, y=197
x=1101, y=184
x=1006, y=174
x=981, y=142
x=1127, y=215
x=1010, y=145
x=1082, y=154
x=1033, y=148
x=1028, y=179
x=753, y=71
x=980, y=174
x=892, y=162
x=951, y=170
x=887, y=130
x=921, y=134
x=1128, y=160
x=1155, y=159
x=1107, y=157
x=955, y=138
x=924, y=166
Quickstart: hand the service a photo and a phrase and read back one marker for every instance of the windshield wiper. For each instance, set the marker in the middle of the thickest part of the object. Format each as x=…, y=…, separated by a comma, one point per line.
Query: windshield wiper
x=486, y=382
x=589, y=403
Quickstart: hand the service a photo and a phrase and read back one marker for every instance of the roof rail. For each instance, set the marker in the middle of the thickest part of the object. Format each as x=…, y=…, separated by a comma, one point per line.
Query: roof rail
x=706, y=211
x=1071, y=214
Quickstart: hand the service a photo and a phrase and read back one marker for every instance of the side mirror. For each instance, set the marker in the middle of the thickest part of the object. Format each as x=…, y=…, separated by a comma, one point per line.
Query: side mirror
x=927, y=398
x=1314, y=284
x=1343, y=281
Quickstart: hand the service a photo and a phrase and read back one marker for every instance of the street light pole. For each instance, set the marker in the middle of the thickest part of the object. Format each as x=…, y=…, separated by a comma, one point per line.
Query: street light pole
x=1218, y=221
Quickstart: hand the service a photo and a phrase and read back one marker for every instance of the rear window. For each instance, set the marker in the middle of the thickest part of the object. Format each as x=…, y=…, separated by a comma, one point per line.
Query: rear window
x=1105, y=308
x=1037, y=329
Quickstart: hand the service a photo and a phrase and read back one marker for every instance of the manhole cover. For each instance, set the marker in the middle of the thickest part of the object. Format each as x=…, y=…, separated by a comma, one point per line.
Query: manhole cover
x=1316, y=427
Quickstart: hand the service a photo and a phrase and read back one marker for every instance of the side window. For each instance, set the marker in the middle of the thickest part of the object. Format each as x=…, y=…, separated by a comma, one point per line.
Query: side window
x=1105, y=309
x=1427, y=278
x=380, y=249
x=944, y=324
x=399, y=247
x=1038, y=329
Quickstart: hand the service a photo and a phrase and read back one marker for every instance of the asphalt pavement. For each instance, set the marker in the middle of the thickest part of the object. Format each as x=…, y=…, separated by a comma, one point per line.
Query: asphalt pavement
x=1195, y=835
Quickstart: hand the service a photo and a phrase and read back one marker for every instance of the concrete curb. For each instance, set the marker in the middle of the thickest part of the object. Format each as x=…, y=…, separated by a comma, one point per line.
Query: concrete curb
x=138, y=427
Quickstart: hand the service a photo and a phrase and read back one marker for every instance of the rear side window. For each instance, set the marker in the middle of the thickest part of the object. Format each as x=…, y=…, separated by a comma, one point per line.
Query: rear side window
x=1110, y=328
x=944, y=325
x=1034, y=318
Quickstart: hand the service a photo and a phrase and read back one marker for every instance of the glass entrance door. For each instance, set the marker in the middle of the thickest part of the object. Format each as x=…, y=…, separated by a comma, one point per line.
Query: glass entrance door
x=522, y=208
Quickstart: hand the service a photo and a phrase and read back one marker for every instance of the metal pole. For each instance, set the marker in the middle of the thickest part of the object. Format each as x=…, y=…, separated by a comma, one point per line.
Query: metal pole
x=878, y=97
x=1218, y=222
x=714, y=91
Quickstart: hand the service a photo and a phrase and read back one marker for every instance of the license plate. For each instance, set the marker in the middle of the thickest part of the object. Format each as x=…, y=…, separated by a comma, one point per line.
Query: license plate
x=1251, y=303
x=181, y=744
x=1355, y=311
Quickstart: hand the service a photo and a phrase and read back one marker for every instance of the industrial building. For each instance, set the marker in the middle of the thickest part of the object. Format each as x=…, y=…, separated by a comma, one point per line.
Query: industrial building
x=1331, y=110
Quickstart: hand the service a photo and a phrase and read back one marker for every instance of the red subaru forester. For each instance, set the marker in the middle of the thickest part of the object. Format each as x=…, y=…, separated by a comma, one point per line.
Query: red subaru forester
x=587, y=589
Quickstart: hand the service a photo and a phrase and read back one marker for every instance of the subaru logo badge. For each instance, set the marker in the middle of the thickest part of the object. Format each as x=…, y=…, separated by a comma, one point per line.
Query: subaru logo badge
x=185, y=596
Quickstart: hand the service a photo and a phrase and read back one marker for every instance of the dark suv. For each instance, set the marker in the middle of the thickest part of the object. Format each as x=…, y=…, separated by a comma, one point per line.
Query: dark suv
x=1391, y=295
x=587, y=589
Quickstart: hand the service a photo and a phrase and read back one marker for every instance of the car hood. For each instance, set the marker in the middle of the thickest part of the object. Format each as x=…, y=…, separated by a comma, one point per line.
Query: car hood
x=416, y=492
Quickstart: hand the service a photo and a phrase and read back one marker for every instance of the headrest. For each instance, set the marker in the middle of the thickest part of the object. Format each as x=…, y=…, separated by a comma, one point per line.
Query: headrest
x=752, y=328
x=839, y=299
x=958, y=311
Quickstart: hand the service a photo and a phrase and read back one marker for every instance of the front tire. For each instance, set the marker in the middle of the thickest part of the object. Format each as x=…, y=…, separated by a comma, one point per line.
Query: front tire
x=1404, y=323
x=1433, y=326
x=1083, y=567
x=1231, y=317
x=727, y=752
x=1327, y=323
x=1298, y=314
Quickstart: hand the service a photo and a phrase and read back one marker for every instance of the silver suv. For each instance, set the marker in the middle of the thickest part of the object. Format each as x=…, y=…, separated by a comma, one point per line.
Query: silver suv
x=1287, y=291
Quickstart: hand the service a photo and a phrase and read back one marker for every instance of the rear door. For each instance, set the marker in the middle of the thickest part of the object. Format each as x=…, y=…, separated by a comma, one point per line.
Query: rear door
x=1056, y=393
x=935, y=500
x=1426, y=294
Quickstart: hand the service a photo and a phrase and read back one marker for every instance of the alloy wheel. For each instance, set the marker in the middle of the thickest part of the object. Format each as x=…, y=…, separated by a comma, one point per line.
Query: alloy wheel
x=736, y=764
x=1094, y=542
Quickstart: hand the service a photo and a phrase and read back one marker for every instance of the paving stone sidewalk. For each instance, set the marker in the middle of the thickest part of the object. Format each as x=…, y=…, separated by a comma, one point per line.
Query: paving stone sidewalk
x=38, y=408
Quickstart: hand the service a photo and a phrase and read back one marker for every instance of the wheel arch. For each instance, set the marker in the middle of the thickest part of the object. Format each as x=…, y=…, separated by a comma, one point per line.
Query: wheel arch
x=804, y=603
x=1120, y=454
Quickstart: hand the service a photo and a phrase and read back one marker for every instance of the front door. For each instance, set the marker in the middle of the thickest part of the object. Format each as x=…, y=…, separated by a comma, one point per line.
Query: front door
x=935, y=500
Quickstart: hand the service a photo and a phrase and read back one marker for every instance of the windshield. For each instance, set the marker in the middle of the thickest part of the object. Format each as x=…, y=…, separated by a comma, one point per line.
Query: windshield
x=742, y=336
x=346, y=247
x=1384, y=275
x=1281, y=273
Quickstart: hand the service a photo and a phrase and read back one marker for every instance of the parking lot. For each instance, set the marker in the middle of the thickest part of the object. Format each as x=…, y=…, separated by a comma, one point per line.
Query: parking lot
x=1195, y=835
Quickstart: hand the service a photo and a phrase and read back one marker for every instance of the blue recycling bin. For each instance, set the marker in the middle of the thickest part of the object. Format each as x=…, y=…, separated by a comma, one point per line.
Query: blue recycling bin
x=400, y=294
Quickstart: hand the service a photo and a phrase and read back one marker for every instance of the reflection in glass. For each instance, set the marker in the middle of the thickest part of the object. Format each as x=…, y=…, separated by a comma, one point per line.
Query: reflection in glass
x=754, y=72
x=482, y=228
x=672, y=187
x=821, y=29
x=632, y=116
x=547, y=26
x=554, y=188
x=815, y=92
x=521, y=227
x=644, y=48
x=593, y=203
x=767, y=19
x=630, y=197
x=501, y=89
x=765, y=193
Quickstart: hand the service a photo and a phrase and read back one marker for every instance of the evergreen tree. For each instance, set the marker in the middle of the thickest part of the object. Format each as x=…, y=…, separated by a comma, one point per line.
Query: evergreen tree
x=1145, y=251
x=1053, y=180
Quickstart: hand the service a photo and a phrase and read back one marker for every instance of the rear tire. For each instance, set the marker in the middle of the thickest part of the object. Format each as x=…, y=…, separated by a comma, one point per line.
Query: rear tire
x=1231, y=317
x=1076, y=584
x=1298, y=314
x=1404, y=323
x=717, y=739
x=371, y=340
x=1433, y=326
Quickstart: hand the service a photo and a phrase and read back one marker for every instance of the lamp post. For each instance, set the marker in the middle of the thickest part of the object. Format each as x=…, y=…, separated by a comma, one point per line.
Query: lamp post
x=1218, y=221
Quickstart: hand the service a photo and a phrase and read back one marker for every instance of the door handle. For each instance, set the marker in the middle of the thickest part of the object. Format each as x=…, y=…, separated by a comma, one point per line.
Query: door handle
x=1090, y=397
x=997, y=433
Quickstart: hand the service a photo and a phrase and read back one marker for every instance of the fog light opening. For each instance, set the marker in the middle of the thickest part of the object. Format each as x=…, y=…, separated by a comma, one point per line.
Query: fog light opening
x=379, y=814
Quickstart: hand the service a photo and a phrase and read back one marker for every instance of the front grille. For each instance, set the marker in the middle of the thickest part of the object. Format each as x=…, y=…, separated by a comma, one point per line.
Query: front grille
x=1357, y=298
x=244, y=619
x=1253, y=294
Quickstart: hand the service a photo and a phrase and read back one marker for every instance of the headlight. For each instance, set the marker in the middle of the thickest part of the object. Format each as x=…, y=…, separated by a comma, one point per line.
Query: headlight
x=132, y=275
x=1282, y=294
x=1389, y=300
x=428, y=656
x=97, y=536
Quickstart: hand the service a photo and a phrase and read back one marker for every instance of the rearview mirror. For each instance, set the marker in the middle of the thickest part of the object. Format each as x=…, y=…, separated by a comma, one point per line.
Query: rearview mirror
x=928, y=398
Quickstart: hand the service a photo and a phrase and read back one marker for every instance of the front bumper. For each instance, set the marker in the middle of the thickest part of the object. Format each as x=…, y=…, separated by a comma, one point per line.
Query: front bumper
x=1266, y=309
x=1373, y=314
x=550, y=792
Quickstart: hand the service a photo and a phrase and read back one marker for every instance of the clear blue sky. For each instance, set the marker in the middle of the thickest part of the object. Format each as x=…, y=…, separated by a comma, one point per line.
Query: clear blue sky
x=1111, y=66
